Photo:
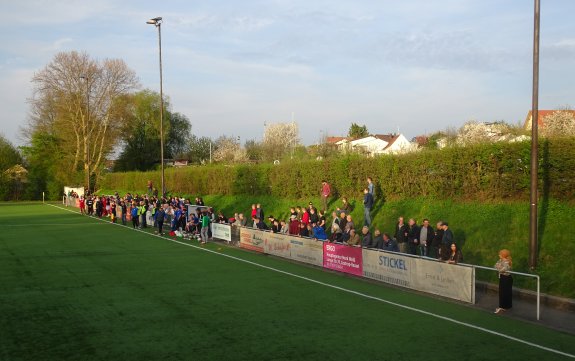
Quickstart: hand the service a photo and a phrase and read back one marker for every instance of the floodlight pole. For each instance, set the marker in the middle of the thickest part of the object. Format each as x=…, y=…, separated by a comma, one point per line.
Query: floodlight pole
x=87, y=79
x=157, y=22
x=533, y=247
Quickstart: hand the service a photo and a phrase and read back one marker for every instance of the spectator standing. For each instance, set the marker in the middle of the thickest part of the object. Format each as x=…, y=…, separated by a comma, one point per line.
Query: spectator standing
x=446, y=241
x=366, y=240
x=401, y=230
x=90, y=204
x=367, y=204
x=82, y=205
x=205, y=227
x=293, y=226
x=325, y=193
x=124, y=210
x=413, y=236
x=371, y=187
x=434, y=251
x=425, y=238
x=377, y=241
x=135, y=217
x=259, y=212
x=319, y=232
x=503, y=266
x=160, y=214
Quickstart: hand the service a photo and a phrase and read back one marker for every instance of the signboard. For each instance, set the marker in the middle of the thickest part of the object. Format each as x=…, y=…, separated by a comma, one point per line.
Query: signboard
x=388, y=267
x=342, y=258
x=252, y=239
x=276, y=244
x=447, y=280
x=306, y=250
x=222, y=231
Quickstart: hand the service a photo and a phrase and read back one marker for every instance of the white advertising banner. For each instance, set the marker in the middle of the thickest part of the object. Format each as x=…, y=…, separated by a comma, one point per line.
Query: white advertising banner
x=443, y=279
x=276, y=244
x=222, y=231
x=306, y=250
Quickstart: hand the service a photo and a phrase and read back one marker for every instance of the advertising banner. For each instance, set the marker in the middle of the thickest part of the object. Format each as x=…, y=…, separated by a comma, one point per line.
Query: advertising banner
x=306, y=250
x=252, y=239
x=342, y=258
x=222, y=231
x=447, y=280
x=388, y=267
x=276, y=244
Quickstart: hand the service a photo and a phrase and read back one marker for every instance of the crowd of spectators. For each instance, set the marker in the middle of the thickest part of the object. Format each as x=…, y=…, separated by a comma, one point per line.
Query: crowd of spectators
x=181, y=217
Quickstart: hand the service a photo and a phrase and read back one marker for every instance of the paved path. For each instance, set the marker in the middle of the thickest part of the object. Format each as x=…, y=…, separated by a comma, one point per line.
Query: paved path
x=526, y=310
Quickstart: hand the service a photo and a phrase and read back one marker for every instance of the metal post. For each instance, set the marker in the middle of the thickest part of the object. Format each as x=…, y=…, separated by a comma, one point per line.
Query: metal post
x=87, y=79
x=88, y=138
x=534, y=142
x=157, y=22
x=161, y=109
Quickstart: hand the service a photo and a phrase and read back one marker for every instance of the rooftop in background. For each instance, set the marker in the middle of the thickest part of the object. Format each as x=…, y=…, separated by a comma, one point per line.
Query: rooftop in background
x=542, y=114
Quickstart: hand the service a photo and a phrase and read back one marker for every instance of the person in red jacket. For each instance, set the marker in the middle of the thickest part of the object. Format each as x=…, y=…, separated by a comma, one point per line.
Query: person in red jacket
x=325, y=193
x=82, y=205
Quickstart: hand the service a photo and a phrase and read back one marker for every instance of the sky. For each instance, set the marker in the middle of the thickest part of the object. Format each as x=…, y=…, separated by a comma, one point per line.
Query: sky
x=416, y=66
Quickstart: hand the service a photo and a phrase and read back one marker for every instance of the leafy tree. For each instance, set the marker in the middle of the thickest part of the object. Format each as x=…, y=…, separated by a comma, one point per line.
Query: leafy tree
x=198, y=149
x=254, y=150
x=9, y=157
x=357, y=131
x=178, y=140
x=45, y=174
x=141, y=132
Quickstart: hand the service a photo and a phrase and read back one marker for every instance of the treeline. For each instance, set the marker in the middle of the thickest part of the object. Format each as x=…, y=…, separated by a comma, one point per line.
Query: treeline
x=496, y=171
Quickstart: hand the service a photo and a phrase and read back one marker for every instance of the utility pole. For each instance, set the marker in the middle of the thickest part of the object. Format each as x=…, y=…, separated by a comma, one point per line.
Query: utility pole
x=534, y=141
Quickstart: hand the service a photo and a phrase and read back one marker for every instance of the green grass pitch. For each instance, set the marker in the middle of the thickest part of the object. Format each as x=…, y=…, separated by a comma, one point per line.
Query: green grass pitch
x=76, y=288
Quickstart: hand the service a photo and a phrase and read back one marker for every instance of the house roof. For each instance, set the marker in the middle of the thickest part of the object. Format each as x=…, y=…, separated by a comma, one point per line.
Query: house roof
x=542, y=114
x=334, y=139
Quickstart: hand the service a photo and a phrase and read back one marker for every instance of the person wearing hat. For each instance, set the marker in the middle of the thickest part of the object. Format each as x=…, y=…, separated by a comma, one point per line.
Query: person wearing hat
x=446, y=241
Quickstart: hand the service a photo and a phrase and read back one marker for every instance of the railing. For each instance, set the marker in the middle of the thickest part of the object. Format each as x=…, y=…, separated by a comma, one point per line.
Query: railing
x=520, y=274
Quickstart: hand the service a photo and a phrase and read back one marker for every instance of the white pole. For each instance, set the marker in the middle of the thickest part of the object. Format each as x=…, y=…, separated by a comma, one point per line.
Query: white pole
x=42, y=197
x=210, y=152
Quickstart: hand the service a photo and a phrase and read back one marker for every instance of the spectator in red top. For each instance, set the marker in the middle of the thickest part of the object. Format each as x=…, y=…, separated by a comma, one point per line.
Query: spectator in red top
x=325, y=193
x=82, y=205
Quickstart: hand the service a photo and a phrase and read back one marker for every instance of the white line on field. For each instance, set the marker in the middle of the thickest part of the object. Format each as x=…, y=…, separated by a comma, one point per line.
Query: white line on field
x=461, y=323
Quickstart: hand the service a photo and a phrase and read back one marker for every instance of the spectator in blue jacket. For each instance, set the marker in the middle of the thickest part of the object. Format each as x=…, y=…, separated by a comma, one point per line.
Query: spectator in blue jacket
x=319, y=232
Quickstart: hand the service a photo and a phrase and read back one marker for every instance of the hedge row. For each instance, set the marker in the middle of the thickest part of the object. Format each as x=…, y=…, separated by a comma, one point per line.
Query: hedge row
x=481, y=172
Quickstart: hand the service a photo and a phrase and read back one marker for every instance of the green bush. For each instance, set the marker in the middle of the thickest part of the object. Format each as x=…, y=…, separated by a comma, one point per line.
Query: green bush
x=482, y=172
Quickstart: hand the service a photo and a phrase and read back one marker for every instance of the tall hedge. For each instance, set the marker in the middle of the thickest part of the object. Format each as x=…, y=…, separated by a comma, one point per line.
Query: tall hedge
x=482, y=172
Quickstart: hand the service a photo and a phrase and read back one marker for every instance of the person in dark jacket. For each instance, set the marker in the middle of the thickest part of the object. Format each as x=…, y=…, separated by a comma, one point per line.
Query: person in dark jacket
x=401, y=231
x=366, y=237
x=367, y=204
x=377, y=241
x=389, y=244
x=261, y=225
x=434, y=250
x=303, y=232
x=446, y=241
x=413, y=236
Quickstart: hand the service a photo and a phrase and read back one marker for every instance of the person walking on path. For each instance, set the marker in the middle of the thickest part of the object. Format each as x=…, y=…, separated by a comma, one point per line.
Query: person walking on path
x=325, y=193
x=503, y=266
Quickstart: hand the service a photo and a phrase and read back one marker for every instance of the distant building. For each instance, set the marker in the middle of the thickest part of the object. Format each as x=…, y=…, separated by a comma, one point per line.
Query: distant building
x=542, y=114
x=374, y=144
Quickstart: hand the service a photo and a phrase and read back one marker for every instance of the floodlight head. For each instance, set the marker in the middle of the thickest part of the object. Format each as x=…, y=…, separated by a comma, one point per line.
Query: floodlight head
x=155, y=21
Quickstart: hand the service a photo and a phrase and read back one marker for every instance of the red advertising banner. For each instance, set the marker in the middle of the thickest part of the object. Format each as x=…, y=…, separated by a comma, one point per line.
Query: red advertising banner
x=343, y=258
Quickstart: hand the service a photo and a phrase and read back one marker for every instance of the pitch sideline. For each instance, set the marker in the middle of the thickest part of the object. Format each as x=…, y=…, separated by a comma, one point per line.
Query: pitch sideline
x=417, y=310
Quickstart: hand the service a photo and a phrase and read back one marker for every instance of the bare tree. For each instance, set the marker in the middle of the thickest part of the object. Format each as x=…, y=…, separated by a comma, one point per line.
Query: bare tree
x=279, y=139
x=560, y=123
x=78, y=99
x=228, y=150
